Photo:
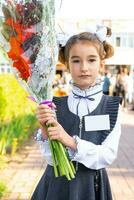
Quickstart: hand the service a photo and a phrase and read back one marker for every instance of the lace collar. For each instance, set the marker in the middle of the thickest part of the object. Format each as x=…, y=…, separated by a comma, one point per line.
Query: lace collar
x=89, y=91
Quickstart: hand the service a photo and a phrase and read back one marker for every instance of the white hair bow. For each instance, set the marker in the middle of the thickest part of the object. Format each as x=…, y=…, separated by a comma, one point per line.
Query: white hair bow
x=99, y=30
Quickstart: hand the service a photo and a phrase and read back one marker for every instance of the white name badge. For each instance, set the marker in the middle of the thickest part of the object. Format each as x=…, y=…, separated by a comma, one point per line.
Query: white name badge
x=97, y=122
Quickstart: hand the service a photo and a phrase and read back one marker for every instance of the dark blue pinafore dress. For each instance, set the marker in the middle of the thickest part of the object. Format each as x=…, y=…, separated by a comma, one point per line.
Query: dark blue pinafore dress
x=88, y=184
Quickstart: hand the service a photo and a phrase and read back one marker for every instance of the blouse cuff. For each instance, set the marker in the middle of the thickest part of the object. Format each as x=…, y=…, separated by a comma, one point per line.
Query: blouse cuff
x=72, y=153
x=82, y=148
x=39, y=137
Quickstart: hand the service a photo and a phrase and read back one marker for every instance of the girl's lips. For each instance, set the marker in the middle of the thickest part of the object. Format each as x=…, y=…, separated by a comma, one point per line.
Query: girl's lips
x=85, y=76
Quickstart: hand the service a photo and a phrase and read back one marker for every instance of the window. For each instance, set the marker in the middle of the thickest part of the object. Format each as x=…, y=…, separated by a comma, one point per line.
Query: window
x=118, y=41
x=8, y=70
x=2, y=70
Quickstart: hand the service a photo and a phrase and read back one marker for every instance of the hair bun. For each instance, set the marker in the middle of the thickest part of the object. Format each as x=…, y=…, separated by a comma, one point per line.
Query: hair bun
x=61, y=56
x=109, y=32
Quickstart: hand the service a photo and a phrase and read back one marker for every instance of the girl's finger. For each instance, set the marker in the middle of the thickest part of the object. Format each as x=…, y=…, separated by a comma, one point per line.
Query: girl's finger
x=42, y=122
x=53, y=129
x=42, y=106
x=52, y=121
x=51, y=133
x=48, y=115
x=44, y=110
x=53, y=106
x=53, y=137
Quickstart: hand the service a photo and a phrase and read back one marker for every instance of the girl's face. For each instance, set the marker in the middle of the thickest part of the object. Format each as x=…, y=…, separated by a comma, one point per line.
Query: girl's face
x=84, y=63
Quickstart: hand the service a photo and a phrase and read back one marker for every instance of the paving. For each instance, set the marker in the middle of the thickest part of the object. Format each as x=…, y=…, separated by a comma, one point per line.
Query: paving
x=121, y=172
x=26, y=168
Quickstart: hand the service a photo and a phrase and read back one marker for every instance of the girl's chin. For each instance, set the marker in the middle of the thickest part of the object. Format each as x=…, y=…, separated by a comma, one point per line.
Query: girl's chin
x=85, y=86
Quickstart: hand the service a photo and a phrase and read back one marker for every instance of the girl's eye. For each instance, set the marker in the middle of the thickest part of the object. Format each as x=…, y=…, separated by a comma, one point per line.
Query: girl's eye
x=75, y=61
x=92, y=60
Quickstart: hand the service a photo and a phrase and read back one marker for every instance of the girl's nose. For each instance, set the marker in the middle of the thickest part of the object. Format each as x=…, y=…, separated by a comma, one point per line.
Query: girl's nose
x=84, y=66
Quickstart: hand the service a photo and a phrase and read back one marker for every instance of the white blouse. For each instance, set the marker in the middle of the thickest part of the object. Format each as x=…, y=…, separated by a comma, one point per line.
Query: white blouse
x=89, y=154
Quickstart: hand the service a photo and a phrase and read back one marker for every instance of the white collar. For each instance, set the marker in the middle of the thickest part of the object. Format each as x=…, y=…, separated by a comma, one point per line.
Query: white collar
x=89, y=91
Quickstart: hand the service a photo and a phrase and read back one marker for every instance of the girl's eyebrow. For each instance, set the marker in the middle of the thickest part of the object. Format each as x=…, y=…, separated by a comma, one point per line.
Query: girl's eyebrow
x=73, y=57
x=90, y=56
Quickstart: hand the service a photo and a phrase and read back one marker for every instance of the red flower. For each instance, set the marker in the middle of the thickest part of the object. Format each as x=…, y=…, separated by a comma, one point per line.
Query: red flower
x=23, y=68
x=19, y=34
x=21, y=62
x=16, y=53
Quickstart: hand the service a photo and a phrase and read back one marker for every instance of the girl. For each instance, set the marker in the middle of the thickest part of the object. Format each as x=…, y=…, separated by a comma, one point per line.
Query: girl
x=87, y=123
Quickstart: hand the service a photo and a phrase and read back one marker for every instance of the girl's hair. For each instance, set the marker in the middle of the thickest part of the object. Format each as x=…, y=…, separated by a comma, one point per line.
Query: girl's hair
x=104, y=49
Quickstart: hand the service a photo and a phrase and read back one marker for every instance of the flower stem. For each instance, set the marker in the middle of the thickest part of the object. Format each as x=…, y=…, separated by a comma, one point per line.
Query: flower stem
x=53, y=159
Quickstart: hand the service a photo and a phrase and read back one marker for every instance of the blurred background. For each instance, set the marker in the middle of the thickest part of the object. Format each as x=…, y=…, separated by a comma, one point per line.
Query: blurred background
x=17, y=119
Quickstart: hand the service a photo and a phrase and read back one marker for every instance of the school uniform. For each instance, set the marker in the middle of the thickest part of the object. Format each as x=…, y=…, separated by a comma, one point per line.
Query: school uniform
x=97, y=146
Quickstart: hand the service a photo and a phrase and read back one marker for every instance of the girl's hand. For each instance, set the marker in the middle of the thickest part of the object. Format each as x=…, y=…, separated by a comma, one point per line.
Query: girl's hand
x=56, y=132
x=43, y=114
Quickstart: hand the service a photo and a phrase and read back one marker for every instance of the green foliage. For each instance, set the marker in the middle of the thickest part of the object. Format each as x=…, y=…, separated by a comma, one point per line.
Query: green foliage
x=3, y=163
x=3, y=189
x=2, y=104
x=16, y=133
x=17, y=119
x=13, y=99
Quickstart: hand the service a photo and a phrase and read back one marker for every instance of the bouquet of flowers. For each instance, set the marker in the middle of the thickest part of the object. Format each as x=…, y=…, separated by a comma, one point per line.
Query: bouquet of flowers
x=28, y=28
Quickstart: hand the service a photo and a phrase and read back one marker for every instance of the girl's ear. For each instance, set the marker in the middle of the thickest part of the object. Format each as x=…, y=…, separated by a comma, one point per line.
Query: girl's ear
x=102, y=64
x=67, y=66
